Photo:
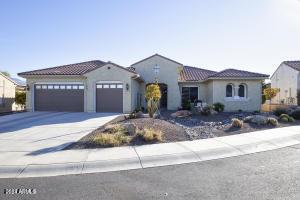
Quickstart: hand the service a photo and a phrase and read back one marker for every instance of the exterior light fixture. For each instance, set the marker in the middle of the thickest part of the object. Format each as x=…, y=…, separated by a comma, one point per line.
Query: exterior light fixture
x=127, y=86
x=27, y=87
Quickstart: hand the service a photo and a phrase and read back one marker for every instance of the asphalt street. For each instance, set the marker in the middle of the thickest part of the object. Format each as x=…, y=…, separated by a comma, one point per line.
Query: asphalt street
x=266, y=175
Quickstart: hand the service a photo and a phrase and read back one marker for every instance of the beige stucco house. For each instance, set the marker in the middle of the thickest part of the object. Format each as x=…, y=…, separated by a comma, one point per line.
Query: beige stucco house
x=8, y=88
x=287, y=79
x=97, y=86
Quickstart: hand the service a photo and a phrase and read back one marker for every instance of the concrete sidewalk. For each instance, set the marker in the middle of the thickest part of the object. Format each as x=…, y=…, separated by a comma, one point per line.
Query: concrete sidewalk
x=135, y=157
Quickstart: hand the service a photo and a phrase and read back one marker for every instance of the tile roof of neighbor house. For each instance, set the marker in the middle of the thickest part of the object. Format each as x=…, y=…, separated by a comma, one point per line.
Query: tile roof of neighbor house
x=293, y=64
x=194, y=74
x=234, y=73
x=71, y=69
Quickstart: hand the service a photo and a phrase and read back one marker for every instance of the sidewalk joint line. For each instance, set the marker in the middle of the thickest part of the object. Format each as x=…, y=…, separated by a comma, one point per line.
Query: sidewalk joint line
x=138, y=157
x=190, y=150
x=236, y=148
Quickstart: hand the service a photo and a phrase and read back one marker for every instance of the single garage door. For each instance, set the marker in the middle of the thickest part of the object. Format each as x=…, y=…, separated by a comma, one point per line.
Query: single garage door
x=59, y=97
x=109, y=97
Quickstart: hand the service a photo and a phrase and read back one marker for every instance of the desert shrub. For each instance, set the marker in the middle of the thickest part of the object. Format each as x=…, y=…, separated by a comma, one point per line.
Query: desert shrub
x=286, y=118
x=272, y=121
x=206, y=110
x=236, y=123
x=259, y=120
x=153, y=96
x=132, y=115
x=150, y=135
x=280, y=111
x=186, y=104
x=296, y=114
x=111, y=140
x=219, y=107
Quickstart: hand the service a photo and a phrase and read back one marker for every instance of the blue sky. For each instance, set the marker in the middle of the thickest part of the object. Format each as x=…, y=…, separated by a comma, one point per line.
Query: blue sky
x=254, y=35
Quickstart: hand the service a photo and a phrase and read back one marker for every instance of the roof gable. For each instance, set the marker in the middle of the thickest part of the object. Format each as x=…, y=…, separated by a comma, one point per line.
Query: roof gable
x=8, y=78
x=158, y=56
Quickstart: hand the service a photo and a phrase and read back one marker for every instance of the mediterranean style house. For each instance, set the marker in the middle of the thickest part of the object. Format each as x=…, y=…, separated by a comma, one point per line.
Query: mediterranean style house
x=97, y=86
x=287, y=79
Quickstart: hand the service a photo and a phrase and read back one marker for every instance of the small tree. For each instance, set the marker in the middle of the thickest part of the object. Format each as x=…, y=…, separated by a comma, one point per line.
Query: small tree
x=20, y=98
x=153, y=96
x=6, y=73
x=270, y=93
x=298, y=97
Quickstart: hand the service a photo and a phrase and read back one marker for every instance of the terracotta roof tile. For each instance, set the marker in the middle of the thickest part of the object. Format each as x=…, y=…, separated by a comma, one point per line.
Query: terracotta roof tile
x=194, y=74
x=71, y=69
x=293, y=64
x=234, y=73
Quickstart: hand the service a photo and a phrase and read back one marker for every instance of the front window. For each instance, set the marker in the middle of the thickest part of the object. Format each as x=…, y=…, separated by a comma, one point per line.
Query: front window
x=242, y=91
x=189, y=93
x=229, y=90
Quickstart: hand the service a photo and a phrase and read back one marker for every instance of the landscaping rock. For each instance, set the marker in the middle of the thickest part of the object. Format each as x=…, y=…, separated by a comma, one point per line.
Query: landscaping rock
x=259, y=120
x=139, y=114
x=130, y=128
x=181, y=113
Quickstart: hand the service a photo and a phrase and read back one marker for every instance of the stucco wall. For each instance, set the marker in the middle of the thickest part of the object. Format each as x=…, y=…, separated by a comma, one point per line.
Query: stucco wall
x=113, y=74
x=7, y=92
x=251, y=103
x=168, y=74
x=30, y=81
x=286, y=79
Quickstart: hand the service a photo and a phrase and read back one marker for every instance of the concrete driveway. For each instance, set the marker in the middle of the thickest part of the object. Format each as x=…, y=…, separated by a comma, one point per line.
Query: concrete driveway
x=30, y=134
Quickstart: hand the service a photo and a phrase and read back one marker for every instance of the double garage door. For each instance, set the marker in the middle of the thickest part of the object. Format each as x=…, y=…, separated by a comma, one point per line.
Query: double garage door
x=70, y=97
x=59, y=97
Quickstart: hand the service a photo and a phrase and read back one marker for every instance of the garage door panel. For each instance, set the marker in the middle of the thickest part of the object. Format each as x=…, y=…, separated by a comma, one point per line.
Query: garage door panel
x=109, y=99
x=67, y=100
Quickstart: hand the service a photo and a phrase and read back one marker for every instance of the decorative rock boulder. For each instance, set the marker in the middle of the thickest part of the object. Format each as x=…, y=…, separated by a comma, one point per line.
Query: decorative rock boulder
x=181, y=113
x=130, y=128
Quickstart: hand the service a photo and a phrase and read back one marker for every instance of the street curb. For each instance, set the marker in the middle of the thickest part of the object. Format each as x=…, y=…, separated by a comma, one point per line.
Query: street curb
x=164, y=154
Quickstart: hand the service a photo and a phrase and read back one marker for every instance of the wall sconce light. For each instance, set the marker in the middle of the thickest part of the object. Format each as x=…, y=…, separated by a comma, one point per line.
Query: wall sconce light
x=127, y=86
x=27, y=87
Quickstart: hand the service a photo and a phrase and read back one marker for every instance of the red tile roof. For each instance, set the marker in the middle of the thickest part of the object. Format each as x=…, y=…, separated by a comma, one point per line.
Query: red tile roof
x=234, y=73
x=72, y=69
x=194, y=74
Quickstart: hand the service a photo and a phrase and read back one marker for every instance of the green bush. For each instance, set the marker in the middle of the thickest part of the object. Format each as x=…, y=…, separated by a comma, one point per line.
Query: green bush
x=219, y=107
x=272, y=121
x=186, y=104
x=236, y=123
x=296, y=114
x=20, y=98
x=286, y=118
x=280, y=111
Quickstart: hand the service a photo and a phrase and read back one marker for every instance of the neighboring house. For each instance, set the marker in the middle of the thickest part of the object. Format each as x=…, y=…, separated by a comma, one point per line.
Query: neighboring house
x=98, y=86
x=287, y=79
x=8, y=88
